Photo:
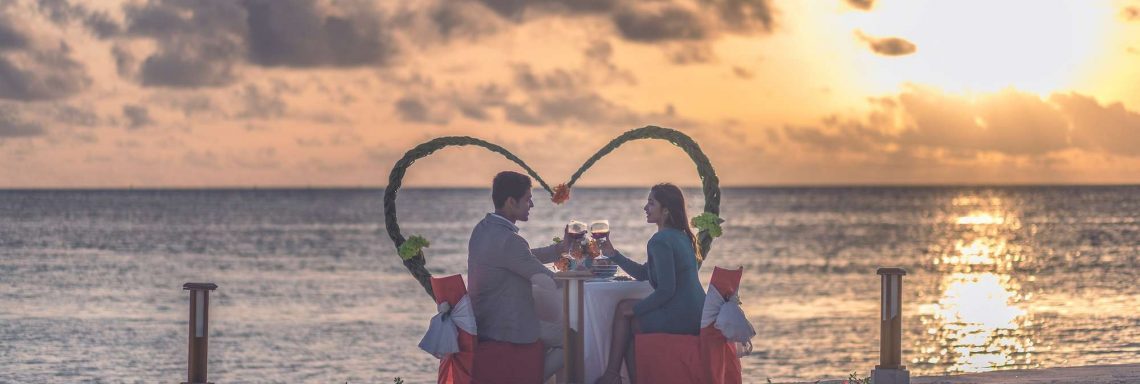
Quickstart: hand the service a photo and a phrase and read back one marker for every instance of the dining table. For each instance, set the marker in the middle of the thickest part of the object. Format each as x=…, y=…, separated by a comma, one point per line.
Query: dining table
x=589, y=304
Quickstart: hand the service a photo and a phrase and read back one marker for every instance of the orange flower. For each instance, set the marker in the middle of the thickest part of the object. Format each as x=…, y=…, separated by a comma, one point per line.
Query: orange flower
x=562, y=264
x=561, y=194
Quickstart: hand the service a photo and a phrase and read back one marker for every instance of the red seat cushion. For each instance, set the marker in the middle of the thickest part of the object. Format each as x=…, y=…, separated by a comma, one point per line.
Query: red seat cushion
x=456, y=368
x=708, y=358
x=508, y=363
x=664, y=358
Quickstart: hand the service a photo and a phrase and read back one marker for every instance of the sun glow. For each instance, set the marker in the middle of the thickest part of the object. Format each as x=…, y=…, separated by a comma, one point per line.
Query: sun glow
x=969, y=46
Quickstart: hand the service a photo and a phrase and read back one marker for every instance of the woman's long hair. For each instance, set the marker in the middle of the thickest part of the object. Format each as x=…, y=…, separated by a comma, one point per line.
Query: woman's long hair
x=672, y=200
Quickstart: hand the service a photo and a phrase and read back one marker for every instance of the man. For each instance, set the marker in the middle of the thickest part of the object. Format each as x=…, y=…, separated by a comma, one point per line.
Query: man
x=507, y=278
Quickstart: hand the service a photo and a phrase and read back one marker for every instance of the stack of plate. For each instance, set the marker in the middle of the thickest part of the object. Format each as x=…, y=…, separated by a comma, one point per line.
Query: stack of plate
x=604, y=271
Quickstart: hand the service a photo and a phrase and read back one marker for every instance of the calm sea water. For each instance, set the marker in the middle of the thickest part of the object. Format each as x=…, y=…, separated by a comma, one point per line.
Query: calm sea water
x=311, y=289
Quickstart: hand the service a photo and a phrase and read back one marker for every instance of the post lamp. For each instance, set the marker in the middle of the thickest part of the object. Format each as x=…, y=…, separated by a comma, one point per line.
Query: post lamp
x=890, y=369
x=199, y=331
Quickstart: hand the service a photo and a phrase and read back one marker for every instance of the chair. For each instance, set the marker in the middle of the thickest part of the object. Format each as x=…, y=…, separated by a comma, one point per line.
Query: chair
x=456, y=368
x=708, y=358
x=485, y=362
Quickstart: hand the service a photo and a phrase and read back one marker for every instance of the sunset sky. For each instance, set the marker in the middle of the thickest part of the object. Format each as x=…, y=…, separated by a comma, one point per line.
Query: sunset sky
x=331, y=93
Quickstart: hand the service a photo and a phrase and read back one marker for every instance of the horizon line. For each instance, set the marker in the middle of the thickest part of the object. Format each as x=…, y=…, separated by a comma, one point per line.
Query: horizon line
x=686, y=186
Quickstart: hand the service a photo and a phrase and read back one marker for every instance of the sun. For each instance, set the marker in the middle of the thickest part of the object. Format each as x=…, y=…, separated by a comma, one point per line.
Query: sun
x=1039, y=46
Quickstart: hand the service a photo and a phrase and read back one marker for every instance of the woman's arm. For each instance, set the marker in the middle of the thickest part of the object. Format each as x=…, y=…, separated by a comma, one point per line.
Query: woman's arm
x=634, y=269
x=664, y=267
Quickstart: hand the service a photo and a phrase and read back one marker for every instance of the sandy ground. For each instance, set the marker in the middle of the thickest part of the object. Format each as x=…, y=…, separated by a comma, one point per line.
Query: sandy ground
x=1094, y=374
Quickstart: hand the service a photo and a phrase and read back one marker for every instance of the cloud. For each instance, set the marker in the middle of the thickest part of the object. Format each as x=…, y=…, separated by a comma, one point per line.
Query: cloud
x=413, y=109
x=1130, y=13
x=35, y=70
x=452, y=19
x=41, y=75
x=298, y=33
x=1111, y=128
x=64, y=13
x=12, y=126
x=692, y=53
x=10, y=38
x=137, y=116
x=1007, y=122
x=261, y=104
x=865, y=5
x=744, y=15
x=888, y=46
x=200, y=43
x=742, y=72
x=655, y=22
x=72, y=115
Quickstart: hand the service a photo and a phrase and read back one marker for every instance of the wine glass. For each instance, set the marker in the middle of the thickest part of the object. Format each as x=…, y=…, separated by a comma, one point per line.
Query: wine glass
x=600, y=230
x=577, y=229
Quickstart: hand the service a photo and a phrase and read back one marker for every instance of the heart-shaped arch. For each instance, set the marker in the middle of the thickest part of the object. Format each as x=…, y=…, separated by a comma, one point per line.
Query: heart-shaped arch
x=709, y=181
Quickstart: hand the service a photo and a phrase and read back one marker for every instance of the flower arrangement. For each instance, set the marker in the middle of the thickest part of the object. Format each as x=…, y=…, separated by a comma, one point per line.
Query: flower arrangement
x=561, y=194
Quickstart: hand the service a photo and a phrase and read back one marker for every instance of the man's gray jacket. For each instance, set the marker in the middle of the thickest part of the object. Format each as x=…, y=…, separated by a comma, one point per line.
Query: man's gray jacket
x=499, y=266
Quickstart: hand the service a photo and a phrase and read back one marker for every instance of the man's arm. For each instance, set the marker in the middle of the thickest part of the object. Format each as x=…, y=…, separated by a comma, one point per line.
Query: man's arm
x=549, y=254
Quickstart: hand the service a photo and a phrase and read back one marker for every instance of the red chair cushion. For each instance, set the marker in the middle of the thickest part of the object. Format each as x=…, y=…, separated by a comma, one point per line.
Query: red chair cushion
x=664, y=358
x=456, y=368
x=726, y=281
x=499, y=362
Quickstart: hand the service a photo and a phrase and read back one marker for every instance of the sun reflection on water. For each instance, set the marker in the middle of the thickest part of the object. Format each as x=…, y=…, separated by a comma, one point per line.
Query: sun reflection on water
x=977, y=321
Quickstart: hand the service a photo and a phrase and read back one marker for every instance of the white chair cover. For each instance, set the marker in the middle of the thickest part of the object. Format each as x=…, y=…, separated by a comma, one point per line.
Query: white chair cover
x=442, y=337
x=729, y=319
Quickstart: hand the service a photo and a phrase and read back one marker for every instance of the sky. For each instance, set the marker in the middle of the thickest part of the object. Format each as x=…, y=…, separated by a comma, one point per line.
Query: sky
x=331, y=93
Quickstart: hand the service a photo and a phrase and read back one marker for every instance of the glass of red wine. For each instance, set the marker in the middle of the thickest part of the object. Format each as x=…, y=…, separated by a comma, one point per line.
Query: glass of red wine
x=600, y=230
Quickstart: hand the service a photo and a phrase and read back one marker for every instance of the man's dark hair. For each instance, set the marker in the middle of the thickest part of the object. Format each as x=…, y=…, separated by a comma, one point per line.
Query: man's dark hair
x=508, y=184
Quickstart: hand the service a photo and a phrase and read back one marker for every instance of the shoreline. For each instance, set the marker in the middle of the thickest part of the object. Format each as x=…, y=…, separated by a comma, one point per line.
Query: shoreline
x=1089, y=374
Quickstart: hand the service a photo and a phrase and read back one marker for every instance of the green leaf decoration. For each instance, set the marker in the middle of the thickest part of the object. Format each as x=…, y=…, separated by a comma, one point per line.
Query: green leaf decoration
x=708, y=222
x=412, y=247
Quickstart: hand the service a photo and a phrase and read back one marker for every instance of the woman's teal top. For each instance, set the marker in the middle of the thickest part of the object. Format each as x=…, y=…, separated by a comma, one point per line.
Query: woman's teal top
x=677, y=299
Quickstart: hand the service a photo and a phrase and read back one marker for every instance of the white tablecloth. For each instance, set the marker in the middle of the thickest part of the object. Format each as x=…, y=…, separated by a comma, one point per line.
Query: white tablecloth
x=601, y=298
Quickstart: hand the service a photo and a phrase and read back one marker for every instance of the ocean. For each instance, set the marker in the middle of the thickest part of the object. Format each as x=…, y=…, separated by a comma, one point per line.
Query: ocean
x=311, y=288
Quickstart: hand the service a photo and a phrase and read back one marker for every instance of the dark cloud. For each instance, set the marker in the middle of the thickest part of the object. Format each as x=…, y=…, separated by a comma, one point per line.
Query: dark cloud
x=743, y=73
x=692, y=53
x=655, y=22
x=586, y=108
x=865, y=5
x=124, y=60
x=261, y=104
x=414, y=109
x=453, y=19
x=297, y=33
x=10, y=38
x=137, y=116
x=200, y=43
x=12, y=126
x=599, y=60
x=34, y=71
x=72, y=115
x=888, y=46
x=187, y=67
x=513, y=9
x=63, y=12
x=41, y=75
x=744, y=15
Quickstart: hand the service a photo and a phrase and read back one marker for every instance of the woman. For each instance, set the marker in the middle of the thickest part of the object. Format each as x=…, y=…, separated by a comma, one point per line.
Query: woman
x=677, y=299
